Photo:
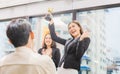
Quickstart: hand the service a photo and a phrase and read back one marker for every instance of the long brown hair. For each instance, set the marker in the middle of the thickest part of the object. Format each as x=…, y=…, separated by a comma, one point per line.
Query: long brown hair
x=53, y=45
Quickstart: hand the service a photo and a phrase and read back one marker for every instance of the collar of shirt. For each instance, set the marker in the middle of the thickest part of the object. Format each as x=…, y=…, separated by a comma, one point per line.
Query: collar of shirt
x=24, y=49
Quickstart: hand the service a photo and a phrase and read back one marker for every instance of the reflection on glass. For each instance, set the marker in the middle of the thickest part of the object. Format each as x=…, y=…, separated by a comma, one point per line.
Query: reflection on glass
x=103, y=27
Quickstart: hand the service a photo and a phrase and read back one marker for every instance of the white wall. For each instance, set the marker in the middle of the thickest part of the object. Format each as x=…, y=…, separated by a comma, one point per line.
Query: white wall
x=19, y=8
x=8, y=3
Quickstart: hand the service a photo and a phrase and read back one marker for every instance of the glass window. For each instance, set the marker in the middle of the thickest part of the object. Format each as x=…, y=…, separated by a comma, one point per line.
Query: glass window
x=5, y=45
x=103, y=25
x=36, y=25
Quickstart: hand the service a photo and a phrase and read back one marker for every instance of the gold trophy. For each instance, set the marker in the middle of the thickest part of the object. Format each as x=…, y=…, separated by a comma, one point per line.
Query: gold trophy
x=50, y=10
x=49, y=16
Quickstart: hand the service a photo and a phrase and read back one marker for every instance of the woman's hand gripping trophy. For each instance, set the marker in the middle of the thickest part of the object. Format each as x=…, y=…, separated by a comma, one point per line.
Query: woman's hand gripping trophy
x=49, y=16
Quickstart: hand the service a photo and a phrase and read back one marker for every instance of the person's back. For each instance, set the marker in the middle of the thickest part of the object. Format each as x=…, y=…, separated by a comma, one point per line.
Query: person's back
x=24, y=60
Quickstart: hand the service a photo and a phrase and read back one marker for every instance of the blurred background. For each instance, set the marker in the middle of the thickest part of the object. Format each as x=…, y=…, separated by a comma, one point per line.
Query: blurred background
x=100, y=17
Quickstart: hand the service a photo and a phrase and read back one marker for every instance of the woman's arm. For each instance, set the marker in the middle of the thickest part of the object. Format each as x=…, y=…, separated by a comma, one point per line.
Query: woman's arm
x=82, y=47
x=56, y=57
x=40, y=51
x=54, y=36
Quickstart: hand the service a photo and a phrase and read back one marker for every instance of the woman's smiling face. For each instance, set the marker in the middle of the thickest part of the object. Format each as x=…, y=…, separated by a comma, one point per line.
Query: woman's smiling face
x=48, y=40
x=74, y=30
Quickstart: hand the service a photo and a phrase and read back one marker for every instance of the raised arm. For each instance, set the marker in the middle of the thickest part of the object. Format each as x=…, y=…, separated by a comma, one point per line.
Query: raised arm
x=53, y=34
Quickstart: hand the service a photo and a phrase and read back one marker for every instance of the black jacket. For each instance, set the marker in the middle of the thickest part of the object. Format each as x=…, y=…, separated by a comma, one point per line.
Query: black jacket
x=73, y=56
x=55, y=55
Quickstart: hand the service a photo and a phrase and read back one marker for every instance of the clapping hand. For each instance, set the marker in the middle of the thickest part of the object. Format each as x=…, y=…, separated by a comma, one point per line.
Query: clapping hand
x=84, y=35
x=47, y=52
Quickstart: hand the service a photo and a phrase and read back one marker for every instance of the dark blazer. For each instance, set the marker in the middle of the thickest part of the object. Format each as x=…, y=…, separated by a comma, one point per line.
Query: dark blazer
x=74, y=49
x=55, y=55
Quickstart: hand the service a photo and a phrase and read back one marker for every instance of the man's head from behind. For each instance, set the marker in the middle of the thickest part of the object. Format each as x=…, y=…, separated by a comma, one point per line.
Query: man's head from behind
x=19, y=32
